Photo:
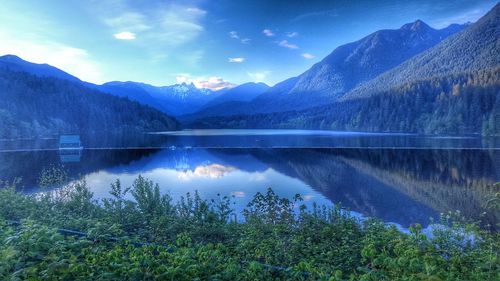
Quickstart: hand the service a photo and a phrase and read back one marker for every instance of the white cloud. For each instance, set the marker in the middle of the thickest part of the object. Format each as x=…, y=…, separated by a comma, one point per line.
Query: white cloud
x=178, y=25
x=130, y=20
x=245, y=40
x=238, y=60
x=308, y=56
x=213, y=83
x=268, y=32
x=192, y=58
x=125, y=35
x=259, y=76
x=167, y=25
x=325, y=13
x=469, y=16
x=238, y=194
x=234, y=35
x=75, y=61
x=36, y=37
x=286, y=44
x=292, y=34
x=196, y=11
x=307, y=197
x=214, y=171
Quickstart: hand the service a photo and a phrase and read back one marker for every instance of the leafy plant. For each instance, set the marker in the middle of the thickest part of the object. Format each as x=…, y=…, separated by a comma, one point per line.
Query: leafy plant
x=140, y=234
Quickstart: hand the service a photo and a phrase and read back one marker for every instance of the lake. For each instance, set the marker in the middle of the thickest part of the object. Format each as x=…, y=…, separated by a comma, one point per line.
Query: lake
x=399, y=178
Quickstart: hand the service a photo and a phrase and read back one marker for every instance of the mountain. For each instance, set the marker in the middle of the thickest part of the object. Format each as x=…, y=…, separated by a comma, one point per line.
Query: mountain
x=476, y=48
x=175, y=99
x=228, y=100
x=351, y=64
x=244, y=92
x=451, y=88
x=363, y=60
x=345, y=68
x=131, y=91
x=36, y=105
x=14, y=63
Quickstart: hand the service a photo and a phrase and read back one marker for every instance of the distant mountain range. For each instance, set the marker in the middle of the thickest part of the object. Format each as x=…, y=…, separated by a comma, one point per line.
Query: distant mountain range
x=40, y=100
x=182, y=99
x=412, y=79
x=178, y=99
x=175, y=100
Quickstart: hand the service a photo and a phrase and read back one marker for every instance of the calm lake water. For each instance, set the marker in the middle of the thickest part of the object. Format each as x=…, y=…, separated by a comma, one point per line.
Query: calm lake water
x=398, y=178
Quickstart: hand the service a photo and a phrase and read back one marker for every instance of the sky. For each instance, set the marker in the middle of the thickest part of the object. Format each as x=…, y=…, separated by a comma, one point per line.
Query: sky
x=212, y=43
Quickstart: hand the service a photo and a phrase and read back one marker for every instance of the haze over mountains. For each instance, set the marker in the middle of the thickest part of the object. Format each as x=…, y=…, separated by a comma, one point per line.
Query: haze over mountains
x=413, y=79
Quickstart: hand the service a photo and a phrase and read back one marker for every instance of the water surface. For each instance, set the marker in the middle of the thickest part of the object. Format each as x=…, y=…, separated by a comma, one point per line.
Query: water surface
x=399, y=178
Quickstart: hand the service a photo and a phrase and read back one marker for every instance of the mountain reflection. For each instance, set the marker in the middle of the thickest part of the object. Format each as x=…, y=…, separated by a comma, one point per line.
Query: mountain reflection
x=396, y=185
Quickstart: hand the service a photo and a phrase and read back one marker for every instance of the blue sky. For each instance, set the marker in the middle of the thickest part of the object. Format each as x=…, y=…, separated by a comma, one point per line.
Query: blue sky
x=213, y=43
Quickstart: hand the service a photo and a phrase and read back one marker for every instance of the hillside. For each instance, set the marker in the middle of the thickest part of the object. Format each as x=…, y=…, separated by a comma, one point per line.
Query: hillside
x=457, y=104
x=345, y=68
x=451, y=88
x=39, y=106
x=475, y=48
x=351, y=64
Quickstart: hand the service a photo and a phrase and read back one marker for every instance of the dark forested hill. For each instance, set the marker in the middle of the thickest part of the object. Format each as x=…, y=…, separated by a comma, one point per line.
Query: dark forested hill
x=35, y=106
x=454, y=104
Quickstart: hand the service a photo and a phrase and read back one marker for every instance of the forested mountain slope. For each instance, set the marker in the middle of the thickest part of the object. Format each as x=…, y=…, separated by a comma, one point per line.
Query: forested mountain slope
x=477, y=47
x=351, y=64
x=39, y=106
x=452, y=88
x=457, y=104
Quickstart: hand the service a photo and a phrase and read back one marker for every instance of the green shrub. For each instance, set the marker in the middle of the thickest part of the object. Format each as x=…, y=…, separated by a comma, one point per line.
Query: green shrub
x=150, y=237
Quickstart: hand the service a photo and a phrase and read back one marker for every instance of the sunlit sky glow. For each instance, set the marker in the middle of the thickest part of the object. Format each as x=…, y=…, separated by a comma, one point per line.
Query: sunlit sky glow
x=227, y=41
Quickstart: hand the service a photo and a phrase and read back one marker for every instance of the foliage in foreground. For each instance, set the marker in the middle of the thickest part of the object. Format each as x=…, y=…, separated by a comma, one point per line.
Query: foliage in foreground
x=195, y=239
